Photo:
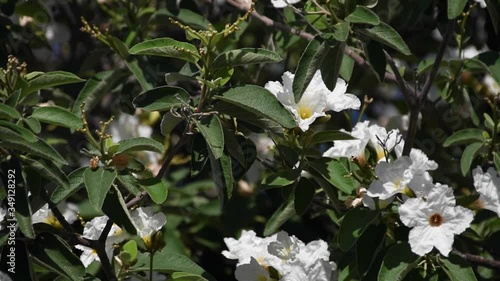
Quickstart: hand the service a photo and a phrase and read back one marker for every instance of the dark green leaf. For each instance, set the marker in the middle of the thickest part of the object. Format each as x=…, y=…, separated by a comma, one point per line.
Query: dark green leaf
x=183, y=276
x=162, y=98
x=494, y=15
x=455, y=8
x=169, y=263
x=468, y=156
x=49, y=171
x=330, y=66
x=260, y=102
x=23, y=132
x=335, y=173
x=157, y=189
x=54, y=254
x=492, y=60
x=386, y=35
x=211, y=128
x=346, y=68
x=457, y=268
x=304, y=194
x=167, y=47
x=285, y=212
x=363, y=15
x=281, y=179
x=58, y=116
x=248, y=119
x=38, y=148
x=169, y=122
x=140, y=74
x=98, y=183
x=369, y=246
x=341, y=31
x=95, y=88
x=8, y=112
x=199, y=154
x=398, y=262
x=465, y=136
x=75, y=183
x=245, y=56
x=328, y=136
x=353, y=225
x=222, y=174
x=186, y=16
x=50, y=79
x=309, y=62
x=377, y=60
x=249, y=153
x=115, y=208
x=139, y=144
x=21, y=204
x=130, y=183
x=33, y=124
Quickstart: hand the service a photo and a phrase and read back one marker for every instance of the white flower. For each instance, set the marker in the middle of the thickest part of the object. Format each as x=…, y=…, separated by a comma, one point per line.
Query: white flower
x=434, y=221
x=93, y=230
x=252, y=271
x=384, y=141
x=488, y=186
x=285, y=247
x=351, y=148
x=147, y=222
x=250, y=246
x=316, y=98
x=482, y=3
x=283, y=3
x=491, y=84
x=45, y=215
x=393, y=178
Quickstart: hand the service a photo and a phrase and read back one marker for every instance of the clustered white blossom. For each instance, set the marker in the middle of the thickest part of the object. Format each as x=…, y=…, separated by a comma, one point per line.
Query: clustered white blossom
x=45, y=214
x=488, y=186
x=291, y=258
x=317, y=98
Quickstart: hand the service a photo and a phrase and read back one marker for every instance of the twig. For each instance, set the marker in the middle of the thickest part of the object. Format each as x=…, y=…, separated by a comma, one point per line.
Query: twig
x=479, y=260
x=101, y=251
x=320, y=203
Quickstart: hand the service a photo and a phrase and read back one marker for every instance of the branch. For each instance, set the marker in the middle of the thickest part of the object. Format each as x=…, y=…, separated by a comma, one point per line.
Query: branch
x=437, y=62
x=479, y=260
x=408, y=93
x=100, y=247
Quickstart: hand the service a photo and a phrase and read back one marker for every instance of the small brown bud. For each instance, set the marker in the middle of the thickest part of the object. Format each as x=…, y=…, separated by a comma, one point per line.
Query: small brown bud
x=120, y=161
x=94, y=163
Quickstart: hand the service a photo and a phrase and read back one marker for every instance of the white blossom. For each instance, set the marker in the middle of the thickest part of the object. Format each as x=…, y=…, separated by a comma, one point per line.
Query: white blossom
x=488, y=186
x=147, y=222
x=482, y=3
x=393, y=178
x=252, y=271
x=434, y=221
x=93, y=230
x=45, y=214
x=315, y=100
x=283, y=3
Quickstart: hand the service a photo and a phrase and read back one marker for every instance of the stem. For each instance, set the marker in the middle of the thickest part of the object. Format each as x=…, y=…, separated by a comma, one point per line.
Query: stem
x=479, y=260
x=101, y=251
x=151, y=266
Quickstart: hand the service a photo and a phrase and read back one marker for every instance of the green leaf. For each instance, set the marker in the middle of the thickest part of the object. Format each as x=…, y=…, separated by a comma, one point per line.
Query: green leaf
x=33, y=124
x=496, y=159
x=169, y=122
x=156, y=188
x=334, y=172
x=340, y=33
x=492, y=60
x=23, y=132
x=140, y=74
x=398, y=262
x=8, y=112
x=54, y=254
x=368, y=248
x=377, y=60
x=346, y=68
x=183, y=276
x=304, y=194
x=470, y=152
x=39, y=148
x=57, y=116
x=167, y=47
x=115, y=208
x=285, y=212
x=162, y=98
x=130, y=183
x=131, y=248
x=330, y=66
x=309, y=62
x=98, y=183
x=22, y=203
x=48, y=170
x=245, y=56
x=185, y=16
x=386, y=35
x=363, y=15
x=281, y=179
x=199, y=154
x=456, y=268
x=353, y=225
x=211, y=128
x=248, y=119
x=464, y=136
x=139, y=144
x=95, y=88
x=222, y=173
x=169, y=263
x=249, y=154
x=455, y=8
x=494, y=15
x=259, y=101
x=50, y=79
x=75, y=179
x=328, y=136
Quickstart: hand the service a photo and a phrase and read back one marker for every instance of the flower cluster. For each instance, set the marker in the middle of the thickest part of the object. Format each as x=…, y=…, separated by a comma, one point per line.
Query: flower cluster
x=488, y=186
x=317, y=98
x=279, y=257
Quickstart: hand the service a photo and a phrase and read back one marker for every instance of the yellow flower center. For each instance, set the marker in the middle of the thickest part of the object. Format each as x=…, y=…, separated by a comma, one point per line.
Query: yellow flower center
x=52, y=220
x=304, y=112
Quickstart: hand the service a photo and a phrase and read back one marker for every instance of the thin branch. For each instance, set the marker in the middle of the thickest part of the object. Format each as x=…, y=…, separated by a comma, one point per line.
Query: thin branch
x=479, y=260
x=437, y=62
x=410, y=96
x=100, y=247
x=320, y=203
